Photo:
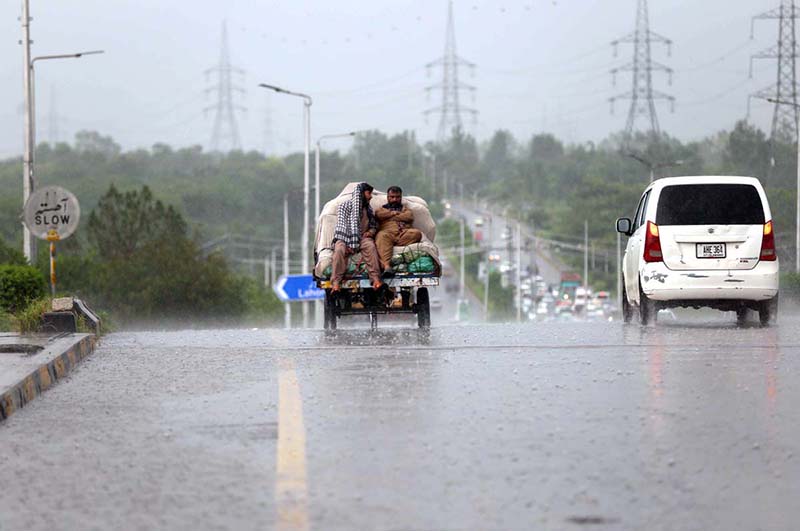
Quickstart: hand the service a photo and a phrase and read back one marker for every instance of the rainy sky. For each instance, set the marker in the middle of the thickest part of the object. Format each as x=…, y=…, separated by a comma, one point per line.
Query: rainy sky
x=540, y=66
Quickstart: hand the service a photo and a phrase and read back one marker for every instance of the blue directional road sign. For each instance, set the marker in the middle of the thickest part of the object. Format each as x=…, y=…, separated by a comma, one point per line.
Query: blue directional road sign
x=292, y=288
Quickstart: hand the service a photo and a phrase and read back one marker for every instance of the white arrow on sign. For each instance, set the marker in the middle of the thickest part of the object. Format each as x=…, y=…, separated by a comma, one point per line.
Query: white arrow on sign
x=278, y=288
x=291, y=288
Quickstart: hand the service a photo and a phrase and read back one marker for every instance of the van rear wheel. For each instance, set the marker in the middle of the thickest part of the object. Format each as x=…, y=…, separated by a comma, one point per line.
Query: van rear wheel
x=627, y=309
x=647, y=309
x=741, y=316
x=768, y=311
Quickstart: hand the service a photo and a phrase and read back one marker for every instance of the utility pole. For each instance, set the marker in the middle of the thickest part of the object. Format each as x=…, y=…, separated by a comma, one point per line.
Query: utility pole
x=306, y=191
x=586, y=257
x=29, y=100
x=784, y=92
x=450, y=108
x=490, y=239
x=307, y=102
x=797, y=193
x=642, y=66
x=461, y=285
x=225, y=129
x=287, y=308
x=519, y=272
x=28, y=242
x=273, y=266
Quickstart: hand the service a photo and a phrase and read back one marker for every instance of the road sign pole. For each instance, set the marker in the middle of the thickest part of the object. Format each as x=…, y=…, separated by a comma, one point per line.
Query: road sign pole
x=53, y=238
x=306, y=186
x=53, y=214
x=287, y=308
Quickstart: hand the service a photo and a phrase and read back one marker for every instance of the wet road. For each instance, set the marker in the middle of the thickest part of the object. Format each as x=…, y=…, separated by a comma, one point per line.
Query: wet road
x=537, y=257
x=692, y=424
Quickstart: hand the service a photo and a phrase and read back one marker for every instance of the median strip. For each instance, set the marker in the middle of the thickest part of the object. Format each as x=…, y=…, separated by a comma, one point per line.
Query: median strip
x=24, y=376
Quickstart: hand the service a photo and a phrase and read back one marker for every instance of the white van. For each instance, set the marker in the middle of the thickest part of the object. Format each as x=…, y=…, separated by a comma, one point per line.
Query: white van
x=701, y=242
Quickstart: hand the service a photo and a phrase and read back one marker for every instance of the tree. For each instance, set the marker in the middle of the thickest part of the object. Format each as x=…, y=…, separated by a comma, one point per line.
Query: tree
x=125, y=223
x=747, y=151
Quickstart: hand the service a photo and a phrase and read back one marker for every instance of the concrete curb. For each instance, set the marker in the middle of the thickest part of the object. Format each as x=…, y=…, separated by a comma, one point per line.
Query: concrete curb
x=45, y=376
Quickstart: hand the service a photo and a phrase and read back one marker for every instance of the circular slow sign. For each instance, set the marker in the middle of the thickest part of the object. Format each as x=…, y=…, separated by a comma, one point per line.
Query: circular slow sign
x=52, y=213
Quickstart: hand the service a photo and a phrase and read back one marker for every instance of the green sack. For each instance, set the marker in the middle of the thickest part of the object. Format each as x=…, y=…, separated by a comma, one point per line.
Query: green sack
x=408, y=256
x=423, y=264
x=351, y=269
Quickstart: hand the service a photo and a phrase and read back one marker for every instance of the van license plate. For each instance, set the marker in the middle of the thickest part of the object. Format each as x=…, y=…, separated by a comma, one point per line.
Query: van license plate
x=710, y=250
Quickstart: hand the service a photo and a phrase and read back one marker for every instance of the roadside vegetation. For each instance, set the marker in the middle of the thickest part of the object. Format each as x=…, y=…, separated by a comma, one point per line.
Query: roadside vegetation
x=144, y=250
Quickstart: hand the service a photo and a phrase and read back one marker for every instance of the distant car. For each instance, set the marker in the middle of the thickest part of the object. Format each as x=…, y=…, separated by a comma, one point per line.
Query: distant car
x=701, y=241
x=505, y=267
x=507, y=233
x=494, y=257
x=478, y=222
x=436, y=303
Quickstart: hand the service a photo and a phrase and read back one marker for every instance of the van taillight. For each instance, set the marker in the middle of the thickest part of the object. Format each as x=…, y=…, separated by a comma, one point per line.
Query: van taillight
x=652, y=244
x=768, y=244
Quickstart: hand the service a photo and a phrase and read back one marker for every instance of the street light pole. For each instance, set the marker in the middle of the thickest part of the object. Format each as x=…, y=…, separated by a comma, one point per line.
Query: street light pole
x=519, y=272
x=797, y=194
x=652, y=166
x=586, y=257
x=28, y=243
x=490, y=239
x=287, y=309
x=462, y=280
x=28, y=174
x=307, y=102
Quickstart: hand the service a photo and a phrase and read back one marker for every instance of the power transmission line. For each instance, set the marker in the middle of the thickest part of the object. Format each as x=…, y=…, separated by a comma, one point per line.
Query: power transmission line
x=784, y=91
x=450, y=108
x=225, y=132
x=642, y=95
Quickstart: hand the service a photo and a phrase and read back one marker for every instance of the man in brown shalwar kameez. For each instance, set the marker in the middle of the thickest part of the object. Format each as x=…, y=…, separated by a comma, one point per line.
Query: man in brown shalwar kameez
x=395, y=220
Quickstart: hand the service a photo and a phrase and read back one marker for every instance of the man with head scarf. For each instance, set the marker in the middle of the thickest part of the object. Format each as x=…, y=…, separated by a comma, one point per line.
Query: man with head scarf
x=355, y=231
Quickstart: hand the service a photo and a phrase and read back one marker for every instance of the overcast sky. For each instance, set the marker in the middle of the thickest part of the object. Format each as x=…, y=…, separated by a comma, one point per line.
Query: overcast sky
x=541, y=66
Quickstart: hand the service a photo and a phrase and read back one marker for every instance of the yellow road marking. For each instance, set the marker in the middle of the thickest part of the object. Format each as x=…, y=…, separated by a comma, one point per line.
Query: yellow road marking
x=291, y=490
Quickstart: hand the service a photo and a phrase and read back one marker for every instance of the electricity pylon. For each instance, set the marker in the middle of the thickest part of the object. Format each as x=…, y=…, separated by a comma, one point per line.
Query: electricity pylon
x=642, y=95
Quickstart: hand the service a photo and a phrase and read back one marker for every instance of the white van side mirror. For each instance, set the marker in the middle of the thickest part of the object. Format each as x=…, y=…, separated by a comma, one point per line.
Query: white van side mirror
x=624, y=226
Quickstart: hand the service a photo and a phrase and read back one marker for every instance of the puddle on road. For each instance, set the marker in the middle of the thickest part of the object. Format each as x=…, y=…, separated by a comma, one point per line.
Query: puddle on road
x=20, y=349
x=592, y=520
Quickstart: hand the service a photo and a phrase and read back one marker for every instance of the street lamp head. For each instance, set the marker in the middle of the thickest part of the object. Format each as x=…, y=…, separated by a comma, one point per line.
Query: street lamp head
x=271, y=87
x=66, y=55
x=90, y=52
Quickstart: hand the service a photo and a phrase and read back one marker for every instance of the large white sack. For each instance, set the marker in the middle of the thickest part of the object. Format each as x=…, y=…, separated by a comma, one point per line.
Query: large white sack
x=326, y=224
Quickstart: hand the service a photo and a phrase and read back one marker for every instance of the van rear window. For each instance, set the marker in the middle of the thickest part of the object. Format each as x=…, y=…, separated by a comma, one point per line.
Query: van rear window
x=710, y=204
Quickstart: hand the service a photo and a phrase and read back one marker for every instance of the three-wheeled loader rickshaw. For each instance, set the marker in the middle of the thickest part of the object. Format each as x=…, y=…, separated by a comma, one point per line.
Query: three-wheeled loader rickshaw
x=416, y=266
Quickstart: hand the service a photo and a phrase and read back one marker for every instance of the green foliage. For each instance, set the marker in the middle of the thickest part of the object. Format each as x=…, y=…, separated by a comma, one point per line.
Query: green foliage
x=6, y=322
x=143, y=267
x=19, y=284
x=9, y=255
x=202, y=196
x=28, y=319
x=125, y=224
x=790, y=285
